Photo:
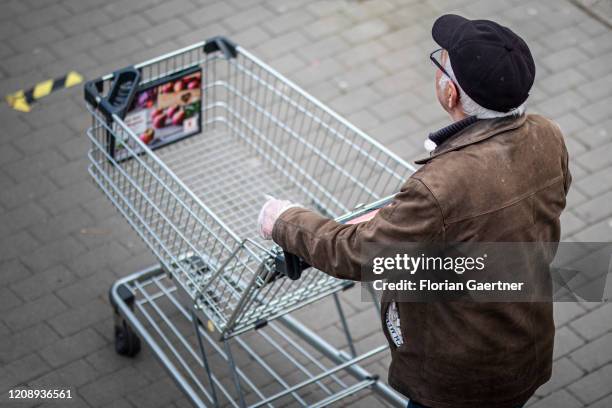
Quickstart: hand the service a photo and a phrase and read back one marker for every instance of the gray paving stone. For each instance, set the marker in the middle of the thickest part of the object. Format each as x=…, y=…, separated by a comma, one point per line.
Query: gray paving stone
x=201, y=34
x=363, y=324
x=37, y=18
x=28, y=59
x=570, y=123
x=78, y=194
x=61, y=225
x=84, y=290
x=365, y=31
x=284, y=43
x=158, y=394
x=398, y=82
x=252, y=38
x=597, y=45
x=36, y=38
x=561, y=104
x=567, y=37
x=72, y=348
x=168, y=9
x=593, y=386
x=9, y=28
x=34, y=312
x=21, y=217
x=594, y=324
x=81, y=6
x=70, y=173
x=43, y=283
x=364, y=120
x=105, y=360
x=566, y=341
x=9, y=155
x=564, y=58
x=594, y=354
x=100, y=258
x=597, y=111
x=248, y=17
x=112, y=386
x=317, y=72
x=325, y=7
x=75, y=320
x=365, y=74
x=598, y=232
x=565, y=312
x=596, y=135
x=575, y=196
x=399, y=128
x=287, y=64
x=574, y=147
x=562, y=81
x=24, y=167
x=595, y=209
x=403, y=58
x=355, y=100
x=70, y=376
x=8, y=300
x=570, y=223
x=119, y=403
x=111, y=51
x=326, y=26
x=163, y=31
x=596, y=183
x=134, y=6
x=10, y=248
x=5, y=51
x=287, y=21
x=26, y=368
x=122, y=27
x=53, y=253
x=210, y=12
x=41, y=139
x=17, y=344
x=320, y=49
x=596, y=90
x=76, y=43
x=85, y=22
x=596, y=159
x=25, y=192
x=559, y=399
x=602, y=403
x=564, y=372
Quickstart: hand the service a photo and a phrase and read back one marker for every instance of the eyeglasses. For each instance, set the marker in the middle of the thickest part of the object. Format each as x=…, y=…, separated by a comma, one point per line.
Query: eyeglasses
x=434, y=56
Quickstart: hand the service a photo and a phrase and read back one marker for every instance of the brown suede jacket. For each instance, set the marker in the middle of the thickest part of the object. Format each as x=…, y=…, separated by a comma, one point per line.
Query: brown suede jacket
x=497, y=180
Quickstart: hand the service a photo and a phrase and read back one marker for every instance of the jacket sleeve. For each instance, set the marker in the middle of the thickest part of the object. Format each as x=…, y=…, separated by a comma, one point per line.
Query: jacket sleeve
x=337, y=249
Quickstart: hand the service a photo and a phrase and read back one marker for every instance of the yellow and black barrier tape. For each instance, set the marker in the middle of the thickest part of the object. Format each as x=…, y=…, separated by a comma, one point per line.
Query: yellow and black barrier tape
x=22, y=100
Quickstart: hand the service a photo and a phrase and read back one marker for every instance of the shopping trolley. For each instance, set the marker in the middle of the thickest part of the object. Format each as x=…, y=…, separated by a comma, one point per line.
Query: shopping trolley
x=232, y=130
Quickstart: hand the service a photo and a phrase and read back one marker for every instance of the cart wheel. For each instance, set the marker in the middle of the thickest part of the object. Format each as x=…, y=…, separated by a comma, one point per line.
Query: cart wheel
x=127, y=342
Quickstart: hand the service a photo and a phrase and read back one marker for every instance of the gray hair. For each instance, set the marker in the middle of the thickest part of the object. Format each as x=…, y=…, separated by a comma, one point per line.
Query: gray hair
x=470, y=107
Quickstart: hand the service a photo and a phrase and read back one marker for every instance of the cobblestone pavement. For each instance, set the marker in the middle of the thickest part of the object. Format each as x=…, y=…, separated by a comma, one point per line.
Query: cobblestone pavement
x=62, y=244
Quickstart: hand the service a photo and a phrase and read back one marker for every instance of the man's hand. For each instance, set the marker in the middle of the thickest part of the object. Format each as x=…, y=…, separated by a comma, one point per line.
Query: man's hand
x=269, y=213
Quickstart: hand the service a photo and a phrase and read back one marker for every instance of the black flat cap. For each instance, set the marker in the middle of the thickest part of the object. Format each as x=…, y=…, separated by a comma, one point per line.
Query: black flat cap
x=492, y=64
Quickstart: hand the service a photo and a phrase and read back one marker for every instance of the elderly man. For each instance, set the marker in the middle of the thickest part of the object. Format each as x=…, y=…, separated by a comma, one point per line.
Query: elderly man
x=496, y=174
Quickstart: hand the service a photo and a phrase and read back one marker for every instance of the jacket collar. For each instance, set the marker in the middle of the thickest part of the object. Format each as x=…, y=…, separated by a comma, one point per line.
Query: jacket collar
x=474, y=133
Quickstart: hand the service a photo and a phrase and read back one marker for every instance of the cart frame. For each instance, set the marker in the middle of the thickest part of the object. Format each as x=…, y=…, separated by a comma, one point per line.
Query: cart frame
x=129, y=329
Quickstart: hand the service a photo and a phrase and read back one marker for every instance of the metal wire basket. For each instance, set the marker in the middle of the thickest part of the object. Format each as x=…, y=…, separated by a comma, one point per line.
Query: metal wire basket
x=195, y=202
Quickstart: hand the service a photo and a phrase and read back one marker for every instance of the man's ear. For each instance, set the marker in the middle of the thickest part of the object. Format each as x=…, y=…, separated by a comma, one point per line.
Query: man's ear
x=452, y=95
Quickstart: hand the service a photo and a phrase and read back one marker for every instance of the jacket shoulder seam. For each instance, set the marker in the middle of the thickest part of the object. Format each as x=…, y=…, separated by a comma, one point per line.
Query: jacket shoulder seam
x=437, y=204
x=509, y=203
